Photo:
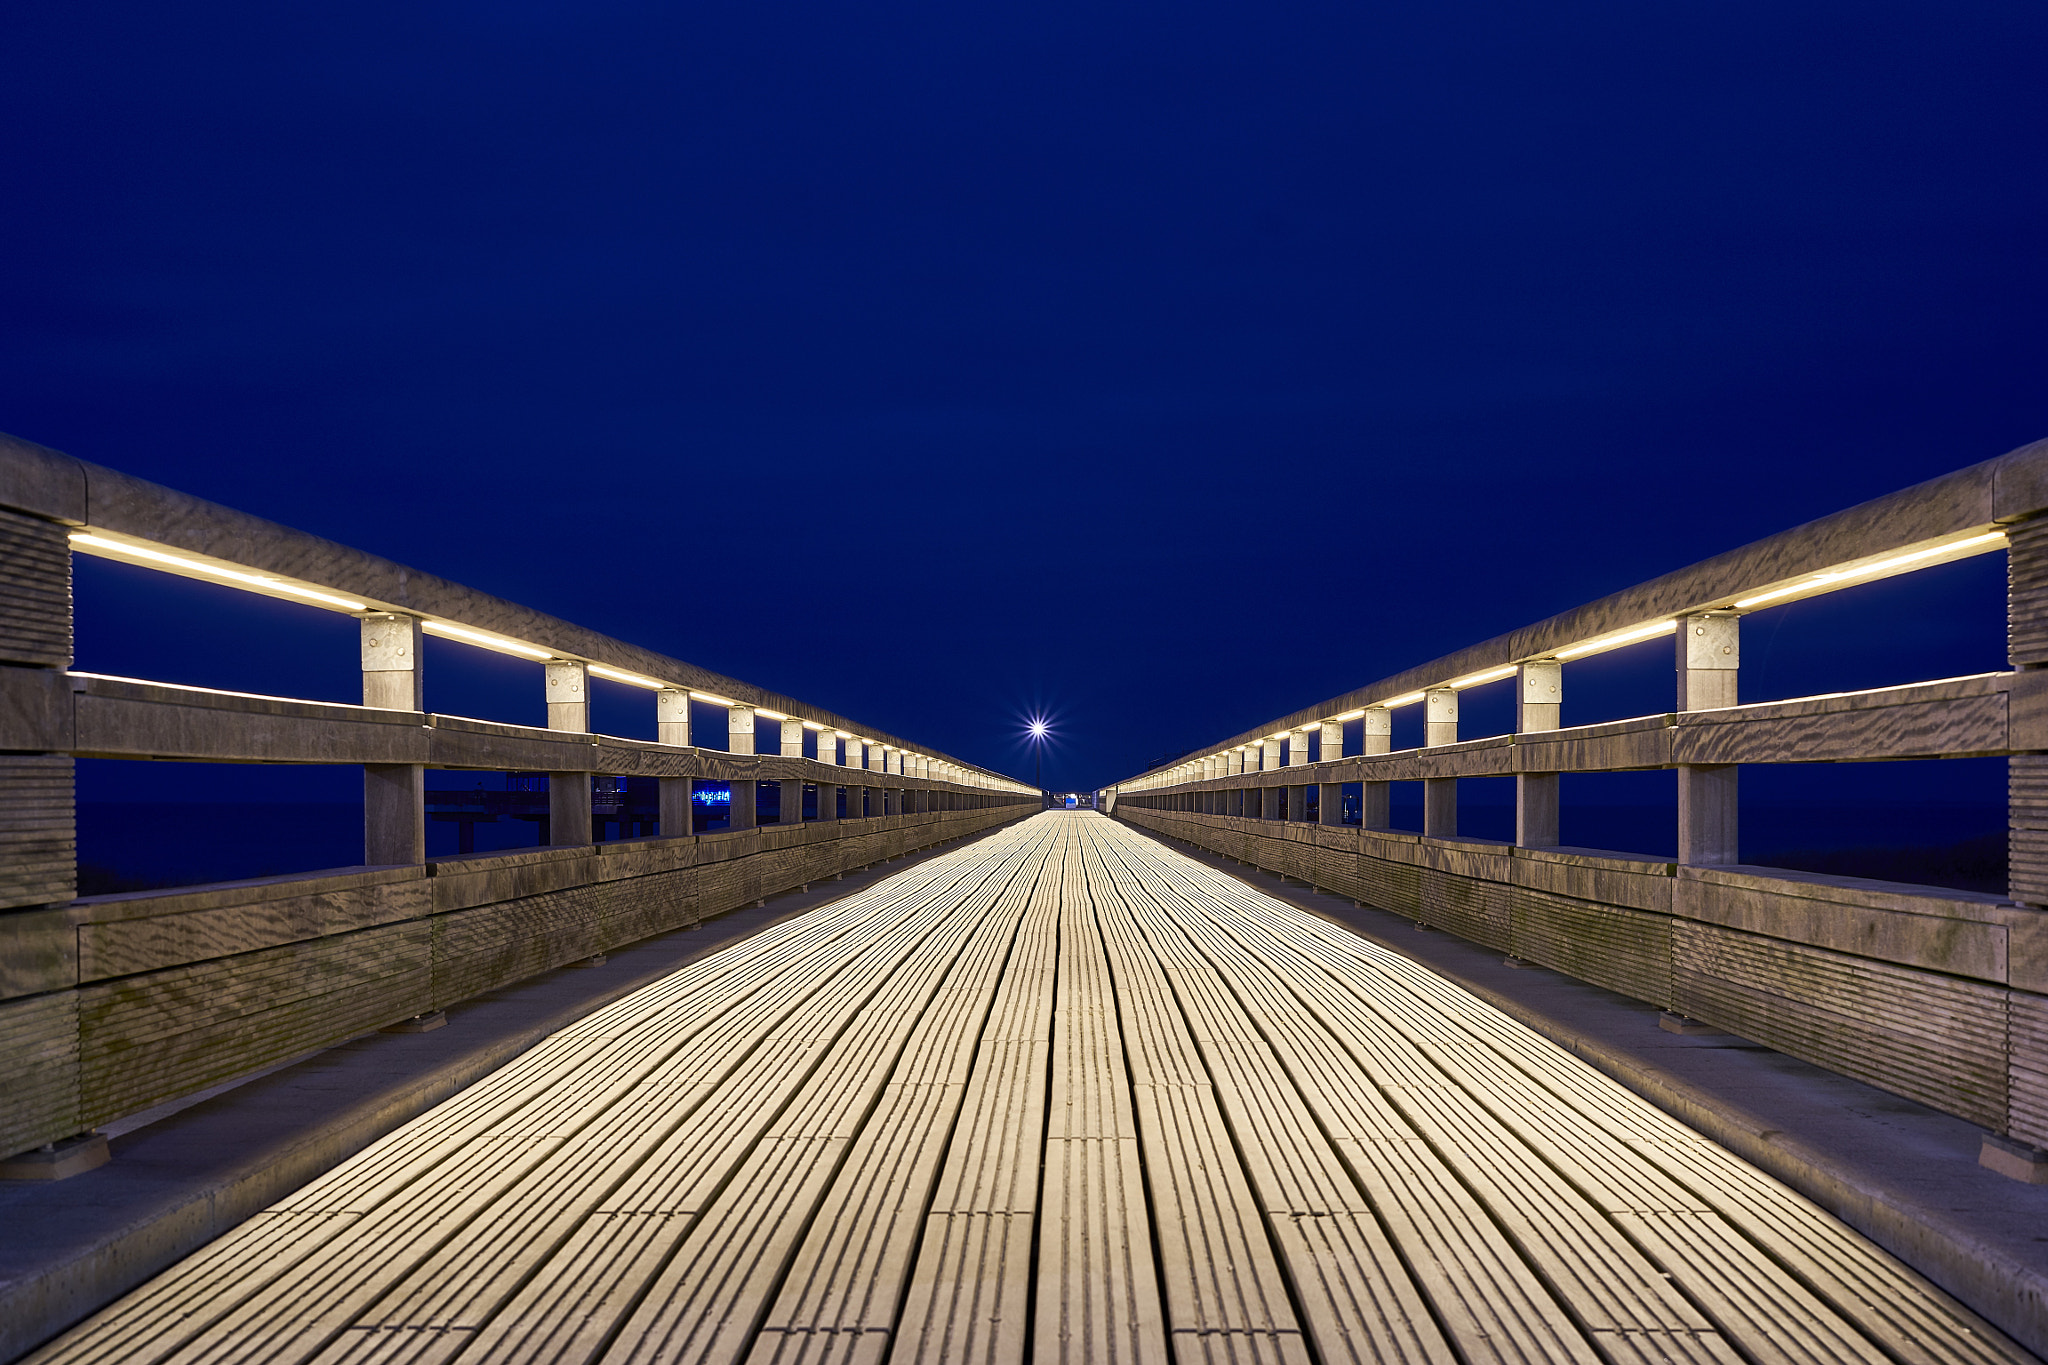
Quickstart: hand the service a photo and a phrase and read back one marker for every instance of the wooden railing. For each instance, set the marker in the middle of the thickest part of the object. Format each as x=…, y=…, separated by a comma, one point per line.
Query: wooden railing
x=1935, y=994
x=112, y=1004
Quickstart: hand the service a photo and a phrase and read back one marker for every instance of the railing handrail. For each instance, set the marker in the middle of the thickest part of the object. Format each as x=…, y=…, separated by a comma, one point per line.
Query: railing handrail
x=76, y=493
x=1951, y=507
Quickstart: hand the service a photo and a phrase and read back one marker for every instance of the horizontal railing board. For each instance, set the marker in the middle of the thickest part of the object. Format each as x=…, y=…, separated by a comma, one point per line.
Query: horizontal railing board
x=46, y=483
x=131, y=718
x=1947, y=718
x=126, y=947
x=2002, y=490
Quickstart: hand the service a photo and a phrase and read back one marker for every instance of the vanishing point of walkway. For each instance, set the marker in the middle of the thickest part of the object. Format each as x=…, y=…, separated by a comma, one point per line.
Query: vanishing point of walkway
x=1061, y=1094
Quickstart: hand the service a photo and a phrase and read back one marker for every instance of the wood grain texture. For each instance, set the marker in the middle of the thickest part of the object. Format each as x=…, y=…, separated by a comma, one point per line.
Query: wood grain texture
x=38, y=830
x=2027, y=1079
x=1954, y=934
x=1937, y=1039
x=1954, y=718
x=1624, y=950
x=111, y=945
x=39, y=1048
x=2026, y=577
x=1618, y=746
x=35, y=591
x=150, y=1038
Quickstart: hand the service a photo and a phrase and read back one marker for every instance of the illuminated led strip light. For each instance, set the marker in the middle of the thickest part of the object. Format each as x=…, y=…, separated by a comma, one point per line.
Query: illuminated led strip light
x=1983, y=543
x=200, y=568
x=106, y=547
x=1881, y=566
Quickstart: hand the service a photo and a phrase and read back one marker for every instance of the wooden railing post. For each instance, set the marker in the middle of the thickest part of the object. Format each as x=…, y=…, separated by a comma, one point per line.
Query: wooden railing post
x=394, y=794
x=1709, y=662
x=1539, y=698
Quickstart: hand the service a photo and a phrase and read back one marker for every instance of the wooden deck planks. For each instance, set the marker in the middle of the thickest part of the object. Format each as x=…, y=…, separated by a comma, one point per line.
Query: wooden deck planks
x=1061, y=1095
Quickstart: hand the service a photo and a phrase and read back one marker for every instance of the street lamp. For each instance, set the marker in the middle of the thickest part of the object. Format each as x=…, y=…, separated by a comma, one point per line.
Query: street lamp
x=1038, y=731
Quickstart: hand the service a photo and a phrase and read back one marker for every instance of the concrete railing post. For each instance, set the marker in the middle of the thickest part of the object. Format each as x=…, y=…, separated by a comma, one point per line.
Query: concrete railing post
x=1709, y=662
x=394, y=794
x=568, y=690
x=1297, y=757
x=1539, y=698
x=1330, y=800
x=1272, y=800
x=672, y=726
x=1376, y=798
x=1440, y=794
x=828, y=783
x=792, y=787
x=739, y=741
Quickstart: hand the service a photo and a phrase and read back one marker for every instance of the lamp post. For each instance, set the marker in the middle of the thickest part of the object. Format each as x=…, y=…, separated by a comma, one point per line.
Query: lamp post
x=1038, y=759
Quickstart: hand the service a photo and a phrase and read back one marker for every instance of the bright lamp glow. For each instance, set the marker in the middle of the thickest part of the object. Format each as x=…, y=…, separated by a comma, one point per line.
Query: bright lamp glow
x=1350, y=715
x=100, y=545
x=1038, y=728
x=1403, y=700
x=713, y=698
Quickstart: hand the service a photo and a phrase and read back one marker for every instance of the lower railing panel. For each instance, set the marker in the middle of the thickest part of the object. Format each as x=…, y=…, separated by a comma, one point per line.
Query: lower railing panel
x=2027, y=1077
x=224, y=981
x=1945, y=1022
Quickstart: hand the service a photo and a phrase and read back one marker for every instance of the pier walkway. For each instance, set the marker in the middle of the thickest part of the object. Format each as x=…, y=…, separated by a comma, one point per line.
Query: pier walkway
x=1060, y=1094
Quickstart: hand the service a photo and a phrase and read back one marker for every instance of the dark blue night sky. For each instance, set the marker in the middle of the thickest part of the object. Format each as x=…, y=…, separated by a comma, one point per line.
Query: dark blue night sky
x=1164, y=367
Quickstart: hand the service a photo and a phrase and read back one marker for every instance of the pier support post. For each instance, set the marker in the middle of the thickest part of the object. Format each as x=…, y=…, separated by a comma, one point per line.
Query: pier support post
x=394, y=794
x=1709, y=660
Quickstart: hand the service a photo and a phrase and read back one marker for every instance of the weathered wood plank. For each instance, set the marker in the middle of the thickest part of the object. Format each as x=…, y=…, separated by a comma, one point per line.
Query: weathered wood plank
x=1955, y=718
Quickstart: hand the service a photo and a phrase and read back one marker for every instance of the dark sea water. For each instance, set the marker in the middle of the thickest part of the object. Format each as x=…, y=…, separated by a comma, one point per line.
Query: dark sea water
x=139, y=846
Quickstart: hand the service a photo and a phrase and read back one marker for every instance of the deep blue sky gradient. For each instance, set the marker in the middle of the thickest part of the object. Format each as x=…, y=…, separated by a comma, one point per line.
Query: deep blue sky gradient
x=1168, y=367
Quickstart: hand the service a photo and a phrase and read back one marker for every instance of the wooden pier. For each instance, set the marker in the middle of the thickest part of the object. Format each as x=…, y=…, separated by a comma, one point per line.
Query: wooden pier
x=1060, y=1094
